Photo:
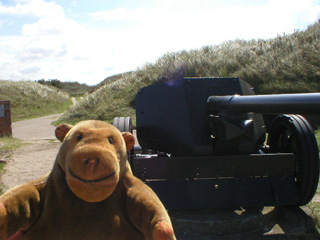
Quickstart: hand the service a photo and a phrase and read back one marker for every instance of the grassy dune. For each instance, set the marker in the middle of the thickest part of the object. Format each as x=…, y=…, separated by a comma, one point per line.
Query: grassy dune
x=285, y=64
x=30, y=99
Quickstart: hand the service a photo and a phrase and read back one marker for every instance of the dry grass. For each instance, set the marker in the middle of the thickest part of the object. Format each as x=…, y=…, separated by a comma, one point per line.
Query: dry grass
x=30, y=99
x=284, y=64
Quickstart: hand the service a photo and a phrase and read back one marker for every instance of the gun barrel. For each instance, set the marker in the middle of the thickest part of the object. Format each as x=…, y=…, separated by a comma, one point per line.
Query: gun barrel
x=302, y=103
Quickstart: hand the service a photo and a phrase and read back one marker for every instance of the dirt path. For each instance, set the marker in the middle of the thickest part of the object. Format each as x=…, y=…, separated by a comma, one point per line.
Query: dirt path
x=37, y=157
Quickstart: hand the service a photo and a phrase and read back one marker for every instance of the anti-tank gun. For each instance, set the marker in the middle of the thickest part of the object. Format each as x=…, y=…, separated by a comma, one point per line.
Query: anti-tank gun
x=204, y=144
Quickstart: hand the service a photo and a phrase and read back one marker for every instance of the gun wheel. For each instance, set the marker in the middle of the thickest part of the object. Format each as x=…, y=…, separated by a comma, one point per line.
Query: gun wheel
x=124, y=124
x=293, y=134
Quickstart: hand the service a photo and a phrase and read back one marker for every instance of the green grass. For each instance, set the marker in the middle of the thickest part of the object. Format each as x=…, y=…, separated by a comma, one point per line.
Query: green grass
x=1, y=170
x=7, y=145
x=75, y=89
x=30, y=99
x=315, y=208
x=113, y=99
x=10, y=143
x=317, y=133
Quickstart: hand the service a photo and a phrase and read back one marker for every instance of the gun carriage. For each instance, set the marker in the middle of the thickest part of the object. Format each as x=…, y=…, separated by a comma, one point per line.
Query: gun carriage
x=203, y=143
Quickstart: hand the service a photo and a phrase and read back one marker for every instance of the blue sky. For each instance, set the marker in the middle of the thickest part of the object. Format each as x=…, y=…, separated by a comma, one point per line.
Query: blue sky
x=89, y=40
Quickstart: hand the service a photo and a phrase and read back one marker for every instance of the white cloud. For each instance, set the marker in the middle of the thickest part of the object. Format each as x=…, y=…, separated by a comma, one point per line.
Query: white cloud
x=52, y=47
x=123, y=14
x=55, y=46
x=118, y=14
x=315, y=14
x=37, y=8
x=51, y=26
x=30, y=70
x=74, y=3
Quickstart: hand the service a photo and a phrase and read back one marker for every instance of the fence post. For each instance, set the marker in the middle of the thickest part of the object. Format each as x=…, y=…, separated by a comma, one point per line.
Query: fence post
x=5, y=119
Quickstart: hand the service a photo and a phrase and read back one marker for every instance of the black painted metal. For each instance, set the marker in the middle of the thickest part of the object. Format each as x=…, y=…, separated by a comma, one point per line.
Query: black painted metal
x=223, y=193
x=172, y=116
x=292, y=133
x=254, y=165
x=206, y=145
x=277, y=103
x=221, y=181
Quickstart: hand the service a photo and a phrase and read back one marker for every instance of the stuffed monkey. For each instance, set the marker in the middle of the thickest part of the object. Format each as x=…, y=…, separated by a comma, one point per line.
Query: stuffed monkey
x=90, y=193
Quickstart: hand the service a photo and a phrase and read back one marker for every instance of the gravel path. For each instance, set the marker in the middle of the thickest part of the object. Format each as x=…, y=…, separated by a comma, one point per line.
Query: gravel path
x=37, y=157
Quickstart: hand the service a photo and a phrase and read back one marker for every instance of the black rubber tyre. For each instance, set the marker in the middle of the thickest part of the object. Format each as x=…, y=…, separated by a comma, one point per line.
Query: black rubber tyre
x=293, y=134
x=124, y=124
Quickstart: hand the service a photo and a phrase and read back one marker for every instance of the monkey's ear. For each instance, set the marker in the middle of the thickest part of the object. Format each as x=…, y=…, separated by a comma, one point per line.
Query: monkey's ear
x=129, y=139
x=62, y=130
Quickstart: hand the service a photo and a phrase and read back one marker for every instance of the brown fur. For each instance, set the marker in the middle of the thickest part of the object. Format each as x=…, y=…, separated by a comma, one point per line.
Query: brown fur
x=89, y=194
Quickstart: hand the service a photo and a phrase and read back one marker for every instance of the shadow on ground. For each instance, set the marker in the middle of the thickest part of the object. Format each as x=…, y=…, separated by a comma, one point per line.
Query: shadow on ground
x=275, y=223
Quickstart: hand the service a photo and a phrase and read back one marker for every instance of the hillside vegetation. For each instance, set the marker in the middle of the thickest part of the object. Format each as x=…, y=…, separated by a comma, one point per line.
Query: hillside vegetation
x=289, y=63
x=30, y=99
x=75, y=89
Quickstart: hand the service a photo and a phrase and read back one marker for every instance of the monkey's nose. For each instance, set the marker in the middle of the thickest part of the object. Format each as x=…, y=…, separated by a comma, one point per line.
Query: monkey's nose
x=91, y=161
x=91, y=165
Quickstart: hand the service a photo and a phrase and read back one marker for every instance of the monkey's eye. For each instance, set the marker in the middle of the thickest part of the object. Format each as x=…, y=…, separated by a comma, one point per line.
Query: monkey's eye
x=110, y=139
x=79, y=136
